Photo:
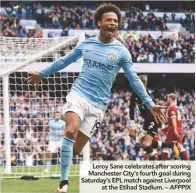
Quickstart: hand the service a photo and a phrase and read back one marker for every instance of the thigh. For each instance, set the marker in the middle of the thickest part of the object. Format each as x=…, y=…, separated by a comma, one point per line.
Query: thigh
x=71, y=109
x=148, y=138
x=89, y=126
x=81, y=141
x=92, y=121
x=171, y=137
x=73, y=114
x=73, y=123
x=151, y=126
x=74, y=104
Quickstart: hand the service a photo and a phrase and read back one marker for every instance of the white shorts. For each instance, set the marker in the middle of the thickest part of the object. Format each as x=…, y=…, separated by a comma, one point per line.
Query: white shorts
x=54, y=146
x=90, y=116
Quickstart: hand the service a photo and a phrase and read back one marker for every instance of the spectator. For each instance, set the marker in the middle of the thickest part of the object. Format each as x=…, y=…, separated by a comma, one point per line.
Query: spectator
x=82, y=17
x=113, y=140
x=65, y=32
x=160, y=50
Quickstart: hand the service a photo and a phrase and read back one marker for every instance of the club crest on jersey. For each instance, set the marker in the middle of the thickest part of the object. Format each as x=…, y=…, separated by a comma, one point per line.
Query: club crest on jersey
x=67, y=105
x=111, y=57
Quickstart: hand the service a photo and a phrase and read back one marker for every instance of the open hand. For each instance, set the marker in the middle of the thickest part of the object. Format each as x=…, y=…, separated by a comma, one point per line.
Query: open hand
x=157, y=113
x=34, y=78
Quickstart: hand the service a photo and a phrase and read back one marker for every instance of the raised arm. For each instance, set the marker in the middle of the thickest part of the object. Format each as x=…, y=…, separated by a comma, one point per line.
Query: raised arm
x=135, y=82
x=139, y=89
x=35, y=78
x=61, y=63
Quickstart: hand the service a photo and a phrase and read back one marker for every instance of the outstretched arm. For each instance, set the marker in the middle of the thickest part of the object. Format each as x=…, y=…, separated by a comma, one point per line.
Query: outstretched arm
x=136, y=83
x=139, y=88
x=61, y=63
x=35, y=78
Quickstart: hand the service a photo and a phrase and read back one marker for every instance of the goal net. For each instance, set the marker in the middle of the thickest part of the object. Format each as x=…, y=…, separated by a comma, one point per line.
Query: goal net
x=25, y=110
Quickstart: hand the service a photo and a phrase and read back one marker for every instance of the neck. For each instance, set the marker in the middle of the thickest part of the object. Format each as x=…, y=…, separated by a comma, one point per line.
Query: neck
x=105, y=39
x=173, y=103
x=145, y=85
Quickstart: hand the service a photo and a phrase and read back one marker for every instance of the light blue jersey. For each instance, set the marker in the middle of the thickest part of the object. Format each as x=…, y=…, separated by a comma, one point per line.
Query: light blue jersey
x=102, y=62
x=56, y=127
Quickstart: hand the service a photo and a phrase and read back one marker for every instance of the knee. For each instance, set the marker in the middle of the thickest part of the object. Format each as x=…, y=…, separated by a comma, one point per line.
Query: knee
x=71, y=132
x=145, y=144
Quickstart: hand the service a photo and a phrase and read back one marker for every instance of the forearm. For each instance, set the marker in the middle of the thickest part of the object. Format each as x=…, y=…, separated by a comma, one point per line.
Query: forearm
x=140, y=90
x=58, y=65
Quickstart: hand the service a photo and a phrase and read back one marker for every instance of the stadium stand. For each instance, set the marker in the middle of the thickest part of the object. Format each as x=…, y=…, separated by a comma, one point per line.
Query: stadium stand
x=115, y=139
x=81, y=17
x=29, y=138
x=143, y=48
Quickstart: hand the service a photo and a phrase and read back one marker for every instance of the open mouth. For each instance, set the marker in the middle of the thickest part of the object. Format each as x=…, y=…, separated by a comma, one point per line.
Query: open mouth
x=112, y=30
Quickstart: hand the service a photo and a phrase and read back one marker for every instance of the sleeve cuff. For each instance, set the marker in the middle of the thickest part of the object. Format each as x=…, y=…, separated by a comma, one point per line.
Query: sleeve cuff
x=150, y=105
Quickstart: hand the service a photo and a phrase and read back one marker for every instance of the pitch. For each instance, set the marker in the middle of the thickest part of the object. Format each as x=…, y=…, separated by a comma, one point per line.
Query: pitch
x=37, y=186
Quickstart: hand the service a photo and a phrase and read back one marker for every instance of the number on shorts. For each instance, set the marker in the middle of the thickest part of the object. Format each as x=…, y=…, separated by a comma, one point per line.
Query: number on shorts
x=96, y=126
x=151, y=125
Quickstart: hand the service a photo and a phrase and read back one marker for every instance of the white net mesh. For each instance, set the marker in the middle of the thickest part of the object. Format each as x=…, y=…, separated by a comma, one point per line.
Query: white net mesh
x=32, y=107
x=21, y=48
x=16, y=53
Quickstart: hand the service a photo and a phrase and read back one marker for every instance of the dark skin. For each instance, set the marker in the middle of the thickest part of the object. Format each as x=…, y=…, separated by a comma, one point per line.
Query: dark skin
x=108, y=26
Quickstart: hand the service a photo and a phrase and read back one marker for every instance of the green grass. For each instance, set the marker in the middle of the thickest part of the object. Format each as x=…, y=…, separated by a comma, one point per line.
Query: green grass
x=37, y=186
x=37, y=171
x=11, y=183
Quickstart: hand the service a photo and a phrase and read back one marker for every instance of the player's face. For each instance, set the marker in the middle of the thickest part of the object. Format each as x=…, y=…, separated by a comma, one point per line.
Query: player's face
x=57, y=116
x=108, y=24
x=144, y=79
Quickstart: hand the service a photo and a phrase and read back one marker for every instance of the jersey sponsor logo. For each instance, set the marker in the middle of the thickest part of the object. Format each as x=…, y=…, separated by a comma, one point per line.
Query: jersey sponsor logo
x=67, y=105
x=98, y=65
x=111, y=57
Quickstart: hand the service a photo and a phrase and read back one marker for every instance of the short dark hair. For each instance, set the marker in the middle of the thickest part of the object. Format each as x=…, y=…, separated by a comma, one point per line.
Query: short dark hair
x=142, y=74
x=105, y=8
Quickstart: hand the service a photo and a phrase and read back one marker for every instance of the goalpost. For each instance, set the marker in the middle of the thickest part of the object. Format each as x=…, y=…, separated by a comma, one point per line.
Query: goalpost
x=25, y=110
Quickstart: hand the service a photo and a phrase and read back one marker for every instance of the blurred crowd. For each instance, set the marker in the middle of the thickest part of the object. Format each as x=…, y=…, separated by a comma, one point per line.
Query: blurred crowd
x=29, y=118
x=81, y=17
x=135, y=19
x=10, y=27
x=161, y=50
x=143, y=48
x=31, y=112
x=115, y=139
